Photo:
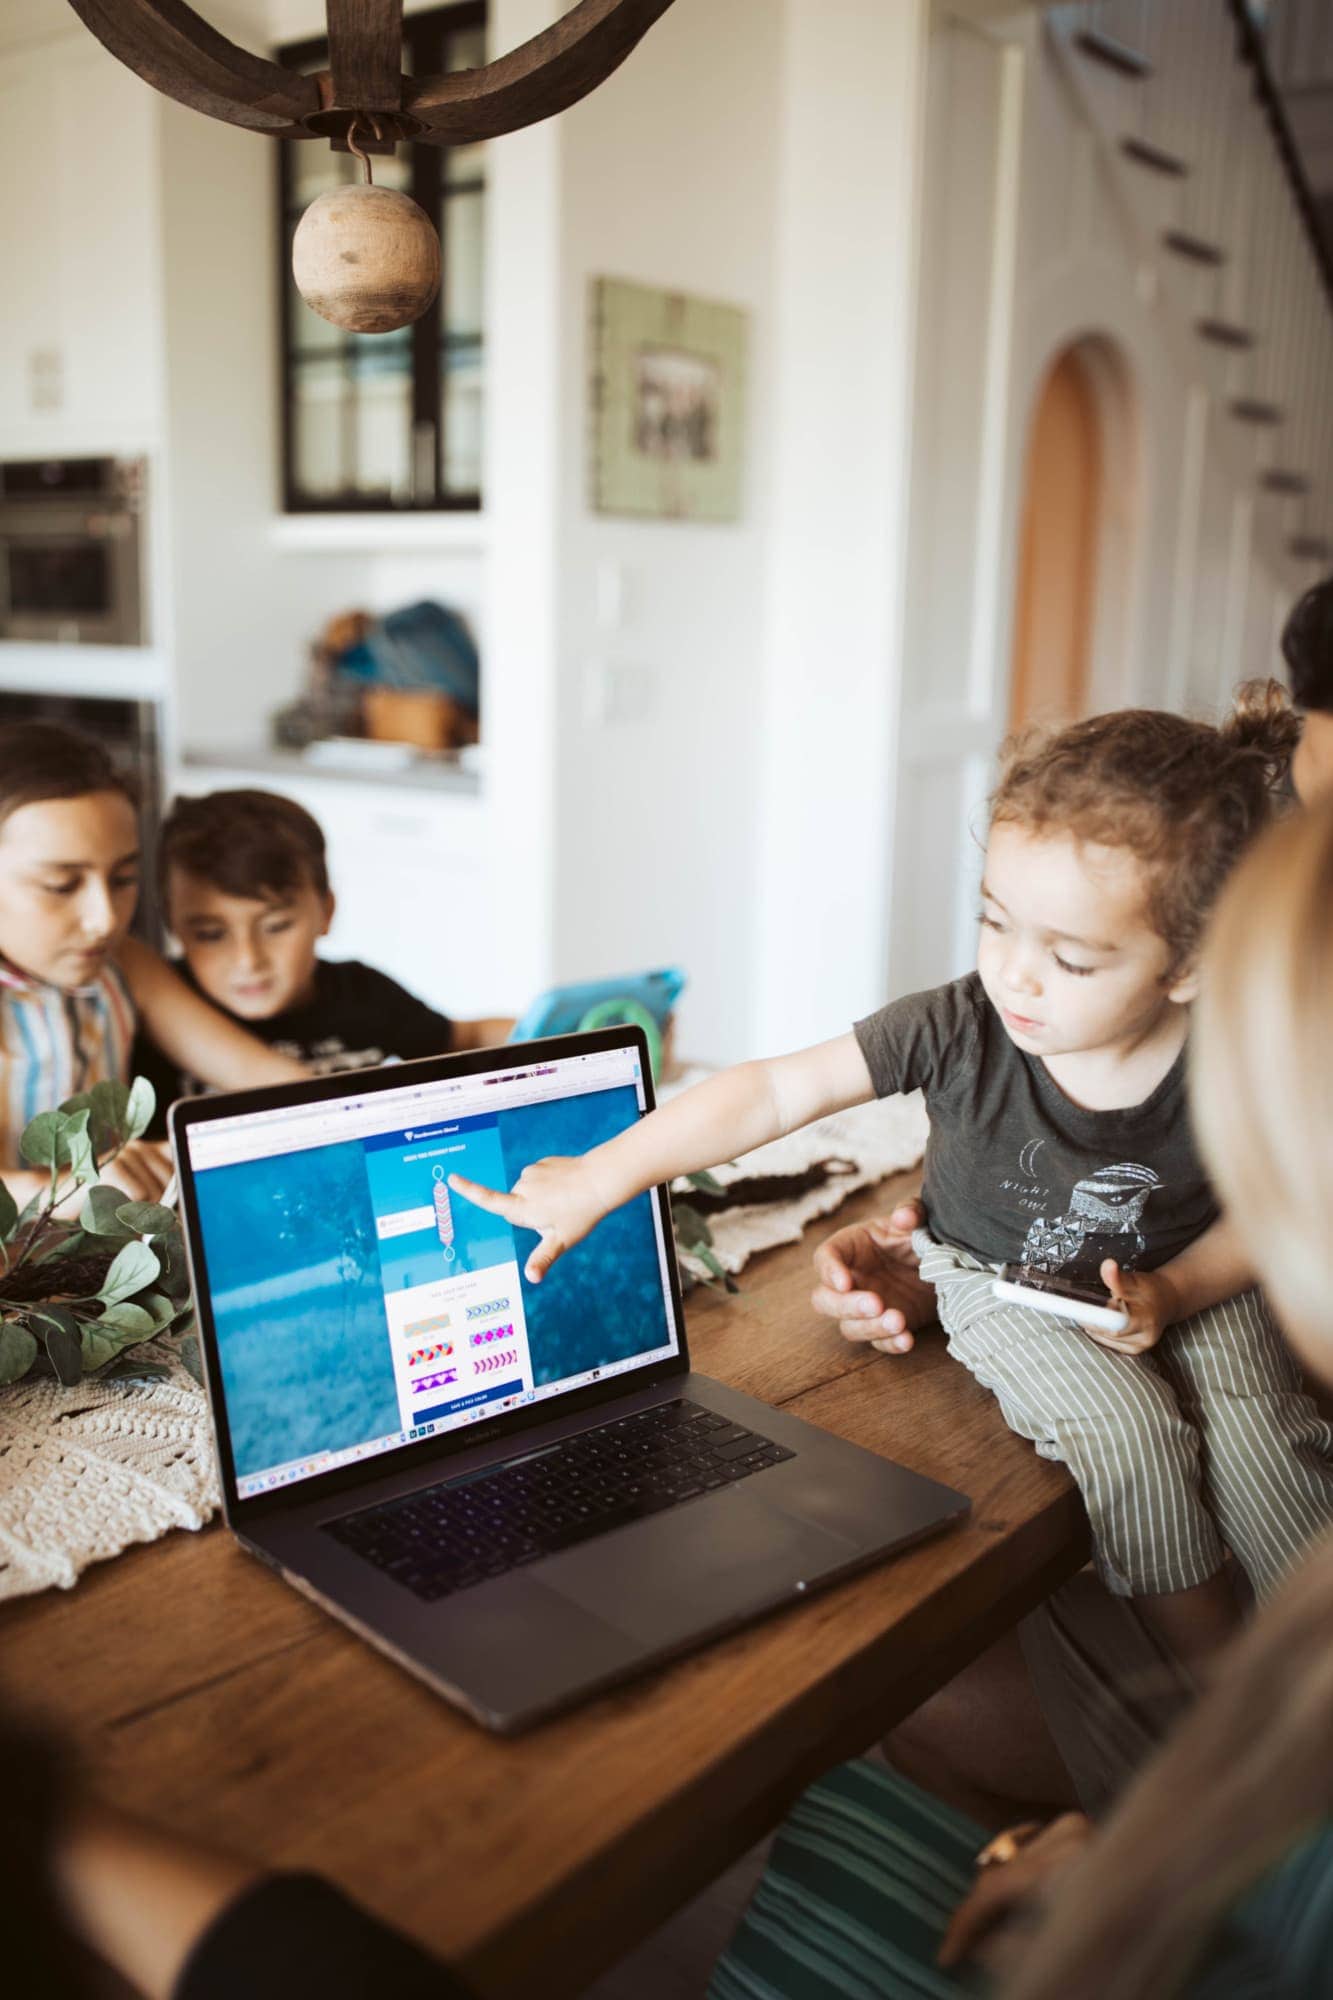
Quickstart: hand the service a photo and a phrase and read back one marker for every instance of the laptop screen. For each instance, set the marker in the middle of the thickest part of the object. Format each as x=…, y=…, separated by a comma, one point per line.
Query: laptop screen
x=359, y=1304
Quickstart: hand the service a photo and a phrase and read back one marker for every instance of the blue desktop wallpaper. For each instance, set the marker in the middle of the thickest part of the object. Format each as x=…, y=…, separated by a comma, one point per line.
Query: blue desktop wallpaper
x=294, y=1275
x=294, y=1272
x=603, y=1301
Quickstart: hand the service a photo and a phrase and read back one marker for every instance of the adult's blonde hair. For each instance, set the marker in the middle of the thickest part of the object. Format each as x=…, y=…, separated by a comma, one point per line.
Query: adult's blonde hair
x=1251, y=1769
x=1262, y=1082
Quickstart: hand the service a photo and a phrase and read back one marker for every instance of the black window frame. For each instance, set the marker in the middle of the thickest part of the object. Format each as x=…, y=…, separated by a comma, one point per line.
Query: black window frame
x=429, y=169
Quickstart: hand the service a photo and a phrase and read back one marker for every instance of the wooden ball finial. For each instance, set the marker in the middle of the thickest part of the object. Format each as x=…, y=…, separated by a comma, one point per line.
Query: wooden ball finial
x=366, y=258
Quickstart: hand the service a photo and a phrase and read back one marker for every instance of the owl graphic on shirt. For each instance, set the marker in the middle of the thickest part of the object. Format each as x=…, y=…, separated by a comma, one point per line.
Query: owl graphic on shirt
x=1107, y=1203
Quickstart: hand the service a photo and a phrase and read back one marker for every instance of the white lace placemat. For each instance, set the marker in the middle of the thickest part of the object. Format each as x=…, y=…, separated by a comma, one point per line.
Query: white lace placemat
x=87, y=1472
x=882, y=1138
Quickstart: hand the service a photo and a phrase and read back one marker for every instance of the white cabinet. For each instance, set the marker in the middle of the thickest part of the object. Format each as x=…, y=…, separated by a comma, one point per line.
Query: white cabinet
x=411, y=872
x=80, y=262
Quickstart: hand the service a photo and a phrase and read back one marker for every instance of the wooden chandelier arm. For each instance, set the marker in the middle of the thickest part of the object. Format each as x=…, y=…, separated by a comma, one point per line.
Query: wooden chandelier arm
x=172, y=48
x=539, y=78
x=366, y=54
x=168, y=44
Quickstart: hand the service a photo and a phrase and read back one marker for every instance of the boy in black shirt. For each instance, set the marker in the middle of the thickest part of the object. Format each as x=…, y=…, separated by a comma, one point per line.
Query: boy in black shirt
x=245, y=888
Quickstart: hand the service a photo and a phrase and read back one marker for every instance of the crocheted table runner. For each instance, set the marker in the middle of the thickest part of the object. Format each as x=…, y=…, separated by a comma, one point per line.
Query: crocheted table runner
x=87, y=1472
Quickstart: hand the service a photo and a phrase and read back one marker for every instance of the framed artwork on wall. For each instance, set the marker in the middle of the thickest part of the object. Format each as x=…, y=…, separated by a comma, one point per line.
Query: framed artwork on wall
x=666, y=404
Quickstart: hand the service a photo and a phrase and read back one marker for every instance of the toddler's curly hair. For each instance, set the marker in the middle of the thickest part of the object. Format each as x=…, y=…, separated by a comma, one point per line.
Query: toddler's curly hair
x=1185, y=797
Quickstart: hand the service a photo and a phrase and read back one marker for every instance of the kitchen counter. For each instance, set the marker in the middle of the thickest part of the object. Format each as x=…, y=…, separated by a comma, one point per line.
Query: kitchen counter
x=426, y=774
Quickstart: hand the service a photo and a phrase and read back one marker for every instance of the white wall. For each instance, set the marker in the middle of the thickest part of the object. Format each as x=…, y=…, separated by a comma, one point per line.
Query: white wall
x=668, y=175
x=851, y=85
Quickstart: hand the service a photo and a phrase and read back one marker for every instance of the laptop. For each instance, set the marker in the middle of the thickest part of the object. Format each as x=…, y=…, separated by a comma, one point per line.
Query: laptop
x=522, y=1493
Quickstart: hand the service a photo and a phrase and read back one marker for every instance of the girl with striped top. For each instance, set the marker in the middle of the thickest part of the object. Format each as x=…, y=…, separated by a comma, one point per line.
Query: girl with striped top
x=72, y=980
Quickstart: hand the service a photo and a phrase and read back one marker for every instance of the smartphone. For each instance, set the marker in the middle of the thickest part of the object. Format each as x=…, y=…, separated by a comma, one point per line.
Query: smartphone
x=1024, y=1285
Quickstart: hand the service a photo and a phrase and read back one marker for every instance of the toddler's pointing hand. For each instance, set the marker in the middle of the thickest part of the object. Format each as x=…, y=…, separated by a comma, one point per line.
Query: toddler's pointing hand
x=557, y=1198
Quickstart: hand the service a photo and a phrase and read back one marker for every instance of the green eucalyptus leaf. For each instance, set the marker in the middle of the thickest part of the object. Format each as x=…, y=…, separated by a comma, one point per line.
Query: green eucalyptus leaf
x=103, y=1339
x=691, y=1229
x=82, y=1159
x=18, y=1351
x=45, y=1141
x=59, y=1331
x=709, y=1183
x=110, y=1105
x=100, y=1214
x=162, y=1308
x=147, y=1218
x=136, y=1366
x=9, y=1213
x=134, y=1267
x=175, y=1277
x=709, y=1261
x=65, y=1246
x=139, y=1109
x=134, y=1321
x=191, y=1360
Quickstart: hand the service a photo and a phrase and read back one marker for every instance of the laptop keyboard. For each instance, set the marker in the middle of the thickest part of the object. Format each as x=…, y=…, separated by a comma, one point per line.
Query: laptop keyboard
x=465, y=1531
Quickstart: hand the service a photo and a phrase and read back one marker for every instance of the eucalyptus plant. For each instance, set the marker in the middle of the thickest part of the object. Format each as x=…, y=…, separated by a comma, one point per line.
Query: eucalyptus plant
x=84, y=1283
x=693, y=1235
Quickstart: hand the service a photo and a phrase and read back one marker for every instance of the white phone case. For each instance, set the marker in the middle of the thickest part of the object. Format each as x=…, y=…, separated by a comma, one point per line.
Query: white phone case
x=1107, y=1318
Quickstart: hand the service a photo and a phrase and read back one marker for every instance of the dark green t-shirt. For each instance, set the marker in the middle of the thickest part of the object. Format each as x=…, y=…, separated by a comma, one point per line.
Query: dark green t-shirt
x=1015, y=1171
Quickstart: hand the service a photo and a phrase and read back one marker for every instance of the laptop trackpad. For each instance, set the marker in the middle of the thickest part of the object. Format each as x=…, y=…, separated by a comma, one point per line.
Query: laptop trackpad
x=696, y=1567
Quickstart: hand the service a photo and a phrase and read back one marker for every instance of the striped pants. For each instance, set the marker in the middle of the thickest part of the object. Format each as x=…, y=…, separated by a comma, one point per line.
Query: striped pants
x=1207, y=1443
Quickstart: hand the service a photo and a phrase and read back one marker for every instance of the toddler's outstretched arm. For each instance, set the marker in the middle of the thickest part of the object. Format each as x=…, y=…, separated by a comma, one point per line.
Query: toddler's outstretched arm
x=563, y=1199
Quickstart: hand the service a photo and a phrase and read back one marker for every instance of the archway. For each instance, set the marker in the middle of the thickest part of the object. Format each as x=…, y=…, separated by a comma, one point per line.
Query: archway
x=1077, y=501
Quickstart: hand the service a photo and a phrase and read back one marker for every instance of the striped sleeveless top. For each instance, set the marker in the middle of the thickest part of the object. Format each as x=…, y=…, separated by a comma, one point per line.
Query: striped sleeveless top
x=55, y=1042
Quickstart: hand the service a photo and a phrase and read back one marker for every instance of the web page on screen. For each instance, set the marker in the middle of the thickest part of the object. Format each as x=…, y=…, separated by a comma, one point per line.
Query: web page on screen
x=360, y=1304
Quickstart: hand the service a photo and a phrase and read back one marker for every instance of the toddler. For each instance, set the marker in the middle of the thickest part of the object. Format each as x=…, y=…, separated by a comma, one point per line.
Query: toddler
x=1055, y=1079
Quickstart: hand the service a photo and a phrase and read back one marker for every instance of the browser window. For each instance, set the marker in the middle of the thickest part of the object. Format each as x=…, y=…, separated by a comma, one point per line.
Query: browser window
x=360, y=1304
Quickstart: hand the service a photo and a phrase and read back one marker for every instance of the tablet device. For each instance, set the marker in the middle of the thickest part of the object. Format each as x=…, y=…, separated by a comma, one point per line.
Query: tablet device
x=564, y=1010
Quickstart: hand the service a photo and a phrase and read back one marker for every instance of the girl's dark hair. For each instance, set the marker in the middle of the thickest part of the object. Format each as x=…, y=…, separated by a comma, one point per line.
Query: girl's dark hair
x=44, y=760
x=1184, y=797
x=246, y=843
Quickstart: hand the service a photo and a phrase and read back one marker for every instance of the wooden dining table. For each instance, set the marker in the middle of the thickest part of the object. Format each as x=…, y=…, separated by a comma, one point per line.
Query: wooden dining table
x=200, y=1690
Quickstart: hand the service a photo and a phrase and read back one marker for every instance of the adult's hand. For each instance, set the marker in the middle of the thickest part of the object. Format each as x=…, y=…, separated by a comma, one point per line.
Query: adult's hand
x=1000, y=1892
x=870, y=1283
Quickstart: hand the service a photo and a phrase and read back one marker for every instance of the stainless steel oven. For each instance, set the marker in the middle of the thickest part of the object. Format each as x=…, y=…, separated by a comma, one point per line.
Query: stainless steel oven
x=71, y=550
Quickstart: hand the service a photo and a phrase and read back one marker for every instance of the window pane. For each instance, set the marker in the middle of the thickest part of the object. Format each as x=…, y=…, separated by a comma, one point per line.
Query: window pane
x=318, y=426
x=464, y=217
x=309, y=333
x=461, y=366
x=382, y=440
x=357, y=409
